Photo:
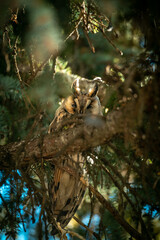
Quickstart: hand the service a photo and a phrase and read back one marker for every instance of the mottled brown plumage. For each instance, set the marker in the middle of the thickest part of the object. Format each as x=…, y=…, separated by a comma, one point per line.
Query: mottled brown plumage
x=68, y=187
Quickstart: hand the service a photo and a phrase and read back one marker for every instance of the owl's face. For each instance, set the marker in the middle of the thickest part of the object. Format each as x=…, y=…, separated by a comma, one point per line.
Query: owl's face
x=84, y=99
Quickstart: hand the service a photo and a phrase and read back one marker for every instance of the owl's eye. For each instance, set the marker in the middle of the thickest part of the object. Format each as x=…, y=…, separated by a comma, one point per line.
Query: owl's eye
x=73, y=104
x=89, y=106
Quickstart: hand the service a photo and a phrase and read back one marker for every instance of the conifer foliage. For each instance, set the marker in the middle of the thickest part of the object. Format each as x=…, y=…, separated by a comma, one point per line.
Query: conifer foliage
x=45, y=46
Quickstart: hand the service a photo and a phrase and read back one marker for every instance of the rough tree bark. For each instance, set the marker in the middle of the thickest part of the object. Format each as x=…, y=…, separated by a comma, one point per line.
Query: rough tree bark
x=88, y=132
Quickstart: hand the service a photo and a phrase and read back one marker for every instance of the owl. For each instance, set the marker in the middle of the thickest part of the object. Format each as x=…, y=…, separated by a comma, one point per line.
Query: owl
x=68, y=186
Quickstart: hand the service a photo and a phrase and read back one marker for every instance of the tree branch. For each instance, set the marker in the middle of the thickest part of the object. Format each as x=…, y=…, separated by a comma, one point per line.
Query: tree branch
x=116, y=214
x=82, y=133
x=85, y=135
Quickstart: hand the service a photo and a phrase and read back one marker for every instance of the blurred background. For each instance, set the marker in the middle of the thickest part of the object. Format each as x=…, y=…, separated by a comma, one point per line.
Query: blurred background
x=44, y=46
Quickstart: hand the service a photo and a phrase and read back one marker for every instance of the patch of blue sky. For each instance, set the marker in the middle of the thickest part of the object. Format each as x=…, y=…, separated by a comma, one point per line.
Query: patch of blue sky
x=147, y=210
x=30, y=228
x=3, y=237
x=22, y=236
x=4, y=189
x=154, y=66
x=113, y=194
x=94, y=222
x=142, y=42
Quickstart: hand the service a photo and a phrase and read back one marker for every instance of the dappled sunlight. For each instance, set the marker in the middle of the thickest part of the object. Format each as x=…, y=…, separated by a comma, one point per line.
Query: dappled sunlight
x=43, y=38
x=79, y=120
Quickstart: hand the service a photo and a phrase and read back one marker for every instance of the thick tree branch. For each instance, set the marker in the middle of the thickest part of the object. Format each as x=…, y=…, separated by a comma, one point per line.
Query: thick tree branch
x=90, y=132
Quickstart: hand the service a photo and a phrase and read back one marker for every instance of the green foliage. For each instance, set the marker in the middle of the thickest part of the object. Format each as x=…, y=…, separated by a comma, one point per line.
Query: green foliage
x=62, y=65
x=37, y=68
x=4, y=125
x=11, y=101
x=111, y=227
x=10, y=89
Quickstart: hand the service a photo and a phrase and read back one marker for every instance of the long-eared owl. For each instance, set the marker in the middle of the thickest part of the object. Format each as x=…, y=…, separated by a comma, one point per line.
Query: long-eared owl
x=68, y=188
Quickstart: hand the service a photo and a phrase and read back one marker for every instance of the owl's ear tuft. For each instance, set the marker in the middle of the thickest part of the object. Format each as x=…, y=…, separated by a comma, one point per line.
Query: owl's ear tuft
x=93, y=90
x=84, y=87
x=76, y=87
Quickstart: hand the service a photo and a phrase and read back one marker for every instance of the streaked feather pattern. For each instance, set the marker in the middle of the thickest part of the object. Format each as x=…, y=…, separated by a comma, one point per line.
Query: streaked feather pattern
x=68, y=188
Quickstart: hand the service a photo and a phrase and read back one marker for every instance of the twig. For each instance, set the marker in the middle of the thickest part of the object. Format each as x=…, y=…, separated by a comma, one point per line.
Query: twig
x=5, y=205
x=92, y=208
x=6, y=56
x=22, y=220
x=25, y=96
x=133, y=232
x=42, y=207
x=119, y=187
x=75, y=28
x=110, y=41
x=118, y=174
x=31, y=61
x=127, y=198
x=89, y=41
x=15, y=61
x=87, y=228
x=138, y=213
x=39, y=69
x=87, y=19
x=76, y=235
x=4, y=179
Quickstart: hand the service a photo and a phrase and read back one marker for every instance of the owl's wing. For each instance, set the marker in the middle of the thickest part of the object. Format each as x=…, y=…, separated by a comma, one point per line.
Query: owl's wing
x=66, y=192
x=59, y=116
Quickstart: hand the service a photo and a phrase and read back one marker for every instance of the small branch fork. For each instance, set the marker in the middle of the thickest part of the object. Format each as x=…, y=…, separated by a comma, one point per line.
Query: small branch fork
x=90, y=19
x=87, y=228
x=134, y=233
x=116, y=214
x=13, y=48
x=115, y=173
